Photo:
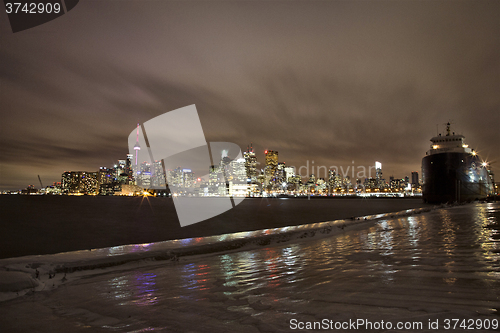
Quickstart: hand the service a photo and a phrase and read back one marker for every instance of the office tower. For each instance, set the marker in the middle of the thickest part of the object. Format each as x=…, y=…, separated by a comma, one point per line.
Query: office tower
x=122, y=164
x=80, y=182
x=250, y=165
x=216, y=181
x=378, y=171
x=271, y=165
x=280, y=175
x=346, y=182
x=157, y=175
x=237, y=171
x=175, y=177
x=213, y=174
x=188, y=178
x=128, y=165
x=331, y=180
x=143, y=177
x=337, y=181
x=414, y=178
x=105, y=175
x=236, y=177
x=69, y=182
x=378, y=174
x=289, y=173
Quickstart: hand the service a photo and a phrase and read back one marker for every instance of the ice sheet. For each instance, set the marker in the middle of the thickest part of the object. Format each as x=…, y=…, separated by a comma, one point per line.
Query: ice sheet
x=429, y=267
x=68, y=262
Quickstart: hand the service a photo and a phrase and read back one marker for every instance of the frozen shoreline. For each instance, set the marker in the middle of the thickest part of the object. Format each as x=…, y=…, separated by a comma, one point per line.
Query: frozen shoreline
x=434, y=267
x=25, y=269
x=39, y=225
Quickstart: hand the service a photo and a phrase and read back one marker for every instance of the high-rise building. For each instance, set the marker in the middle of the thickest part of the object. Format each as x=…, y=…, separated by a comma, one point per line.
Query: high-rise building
x=158, y=179
x=337, y=181
x=414, y=178
x=271, y=165
x=105, y=176
x=128, y=165
x=237, y=171
x=80, y=182
x=188, y=178
x=250, y=165
x=175, y=177
x=105, y=180
x=143, y=176
x=213, y=174
x=216, y=181
x=237, y=178
x=331, y=180
x=122, y=164
x=378, y=175
x=289, y=172
x=280, y=176
x=378, y=171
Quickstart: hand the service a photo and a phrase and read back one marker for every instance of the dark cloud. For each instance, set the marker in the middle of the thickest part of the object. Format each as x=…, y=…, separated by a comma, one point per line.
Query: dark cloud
x=329, y=82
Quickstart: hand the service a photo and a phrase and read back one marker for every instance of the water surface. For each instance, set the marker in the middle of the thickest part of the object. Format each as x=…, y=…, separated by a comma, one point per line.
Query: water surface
x=432, y=266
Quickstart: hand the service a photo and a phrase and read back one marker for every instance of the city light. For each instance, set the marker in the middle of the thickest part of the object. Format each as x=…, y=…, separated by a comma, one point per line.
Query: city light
x=238, y=177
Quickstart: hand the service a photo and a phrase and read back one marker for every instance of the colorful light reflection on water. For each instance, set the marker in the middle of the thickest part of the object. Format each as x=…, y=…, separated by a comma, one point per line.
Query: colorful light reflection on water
x=443, y=262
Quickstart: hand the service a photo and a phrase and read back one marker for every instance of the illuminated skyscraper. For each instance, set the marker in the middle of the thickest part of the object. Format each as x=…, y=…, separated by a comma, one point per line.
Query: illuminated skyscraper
x=188, y=178
x=378, y=174
x=237, y=178
x=81, y=182
x=128, y=164
x=250, y=164
x=271, y=165
x=144, y=175
x=378, y=170
x=157, y=175
x=236, y=171
x=280, y=175
x=176, y=178
x=105, y=176
x=289, y=172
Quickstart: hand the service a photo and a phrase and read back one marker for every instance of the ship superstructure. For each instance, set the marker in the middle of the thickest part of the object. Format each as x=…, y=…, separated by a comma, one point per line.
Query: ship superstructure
x=452, y=171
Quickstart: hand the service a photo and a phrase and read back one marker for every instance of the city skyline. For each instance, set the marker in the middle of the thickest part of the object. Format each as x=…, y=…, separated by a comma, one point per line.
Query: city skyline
x=133, y=165
x=329, y=82
x=232, y=176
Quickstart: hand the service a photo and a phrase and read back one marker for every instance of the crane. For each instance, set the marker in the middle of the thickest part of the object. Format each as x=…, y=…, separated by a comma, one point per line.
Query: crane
x=41, y=186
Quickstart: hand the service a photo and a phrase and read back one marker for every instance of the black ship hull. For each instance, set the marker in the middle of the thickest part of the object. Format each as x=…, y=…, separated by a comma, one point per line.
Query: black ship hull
x=452, y=176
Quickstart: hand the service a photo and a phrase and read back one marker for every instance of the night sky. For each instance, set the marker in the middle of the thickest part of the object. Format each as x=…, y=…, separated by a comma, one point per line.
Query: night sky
x=329, y=82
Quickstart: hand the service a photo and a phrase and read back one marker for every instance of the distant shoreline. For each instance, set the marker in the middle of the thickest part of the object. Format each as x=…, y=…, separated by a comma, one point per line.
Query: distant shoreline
x=270, y=197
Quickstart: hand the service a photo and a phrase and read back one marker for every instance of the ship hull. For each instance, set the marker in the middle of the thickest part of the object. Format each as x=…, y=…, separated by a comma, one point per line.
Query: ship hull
x=450, y=177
